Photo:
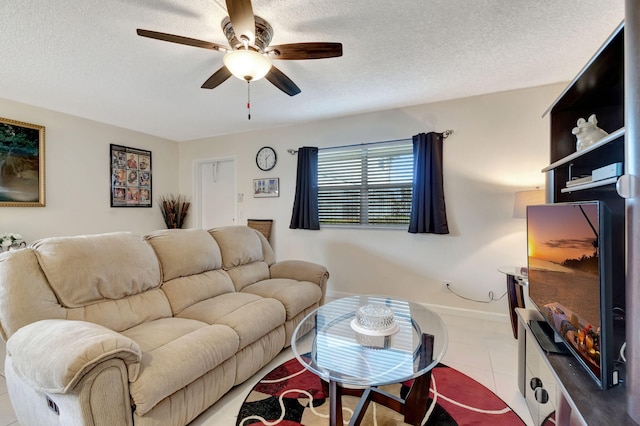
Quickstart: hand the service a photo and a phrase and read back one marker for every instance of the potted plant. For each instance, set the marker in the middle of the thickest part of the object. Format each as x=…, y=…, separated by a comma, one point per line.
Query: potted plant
x=174, y=210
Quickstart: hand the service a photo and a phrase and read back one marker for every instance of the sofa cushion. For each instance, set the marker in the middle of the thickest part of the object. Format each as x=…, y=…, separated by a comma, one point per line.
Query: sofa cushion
x=87, y=269
x=296, y=296
x=250, y=316
x=176, y=352
x=267, y=252
x=121, y=314
x=191, y=262
x=186, y=404
x=25, y=294
x=239, y=245
x=185, y=291
x=242, y=254
x=174, y=246
x=245, y=275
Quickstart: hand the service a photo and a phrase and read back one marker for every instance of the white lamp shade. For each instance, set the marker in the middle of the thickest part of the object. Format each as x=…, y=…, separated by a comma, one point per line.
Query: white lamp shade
x=527, y=198
x=247, y=64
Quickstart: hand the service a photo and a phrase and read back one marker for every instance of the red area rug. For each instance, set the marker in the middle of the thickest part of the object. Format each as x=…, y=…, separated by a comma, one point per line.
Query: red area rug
x=292, y=396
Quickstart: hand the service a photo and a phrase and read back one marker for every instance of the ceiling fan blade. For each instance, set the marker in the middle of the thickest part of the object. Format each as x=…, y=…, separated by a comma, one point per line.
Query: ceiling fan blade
x=305, y=51
x=181, y=40
x=217, y=78
x=242, y=20
x=282, y=82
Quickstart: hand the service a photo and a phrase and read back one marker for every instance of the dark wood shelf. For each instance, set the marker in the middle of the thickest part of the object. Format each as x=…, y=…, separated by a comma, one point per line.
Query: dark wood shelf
x=598, y=89
x=590, y=185
x=612, y=137
x=595, y=405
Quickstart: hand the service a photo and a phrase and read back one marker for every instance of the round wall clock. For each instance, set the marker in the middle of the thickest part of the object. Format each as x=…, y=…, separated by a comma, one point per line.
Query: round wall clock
x=266, y=158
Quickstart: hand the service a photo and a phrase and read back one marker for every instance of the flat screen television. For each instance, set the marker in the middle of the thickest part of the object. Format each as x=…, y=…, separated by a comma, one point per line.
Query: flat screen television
x=570, y=259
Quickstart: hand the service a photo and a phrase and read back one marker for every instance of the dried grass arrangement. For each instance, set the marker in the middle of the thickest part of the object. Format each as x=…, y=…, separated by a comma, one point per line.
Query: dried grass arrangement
x=174, y=210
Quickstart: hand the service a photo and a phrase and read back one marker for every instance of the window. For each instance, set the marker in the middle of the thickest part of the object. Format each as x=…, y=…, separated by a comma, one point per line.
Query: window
x=366, y=185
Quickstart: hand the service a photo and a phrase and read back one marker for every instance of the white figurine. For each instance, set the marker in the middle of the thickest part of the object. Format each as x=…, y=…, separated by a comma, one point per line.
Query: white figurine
x=587, y=132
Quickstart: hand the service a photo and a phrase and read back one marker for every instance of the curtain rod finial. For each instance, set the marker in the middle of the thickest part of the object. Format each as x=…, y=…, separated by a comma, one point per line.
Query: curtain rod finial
x=292, y=151
x=447, y=133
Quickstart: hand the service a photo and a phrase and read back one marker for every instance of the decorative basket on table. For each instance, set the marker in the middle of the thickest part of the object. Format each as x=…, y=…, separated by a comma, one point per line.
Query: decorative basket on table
x=374, y=325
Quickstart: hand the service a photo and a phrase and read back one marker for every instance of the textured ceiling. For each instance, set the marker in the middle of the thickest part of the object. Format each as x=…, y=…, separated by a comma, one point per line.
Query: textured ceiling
x=83, y=57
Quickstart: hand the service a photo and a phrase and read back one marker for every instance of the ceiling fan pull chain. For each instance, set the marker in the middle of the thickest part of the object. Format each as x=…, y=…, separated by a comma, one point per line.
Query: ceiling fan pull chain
x=249, y=99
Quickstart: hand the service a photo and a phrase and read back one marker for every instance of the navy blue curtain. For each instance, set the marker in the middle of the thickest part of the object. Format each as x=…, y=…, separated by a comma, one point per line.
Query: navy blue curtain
x=305, y=204
x=428, y=213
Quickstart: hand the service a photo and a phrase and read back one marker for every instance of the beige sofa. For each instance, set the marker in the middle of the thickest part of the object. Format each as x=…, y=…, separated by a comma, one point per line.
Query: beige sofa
x=121, y=329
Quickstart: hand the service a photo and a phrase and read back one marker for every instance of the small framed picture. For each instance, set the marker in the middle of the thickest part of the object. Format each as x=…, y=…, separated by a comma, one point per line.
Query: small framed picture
x=269, y=187
x=21, y=164
x=130, y=177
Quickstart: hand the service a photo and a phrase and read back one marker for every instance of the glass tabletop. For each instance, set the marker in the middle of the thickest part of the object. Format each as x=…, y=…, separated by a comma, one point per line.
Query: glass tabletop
x=342, y=354
x=517, y=271
x=520, y=273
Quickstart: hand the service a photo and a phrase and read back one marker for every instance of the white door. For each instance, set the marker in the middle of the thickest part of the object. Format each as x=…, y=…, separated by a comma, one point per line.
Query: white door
x=216, y=191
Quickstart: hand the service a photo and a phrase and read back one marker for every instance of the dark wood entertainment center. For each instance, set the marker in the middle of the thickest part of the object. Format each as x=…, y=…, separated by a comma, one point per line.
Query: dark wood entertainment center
x=607, y=86
x=558, y=383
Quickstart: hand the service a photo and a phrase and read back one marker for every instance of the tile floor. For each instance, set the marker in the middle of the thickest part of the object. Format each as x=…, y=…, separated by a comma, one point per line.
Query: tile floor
x=482, y=349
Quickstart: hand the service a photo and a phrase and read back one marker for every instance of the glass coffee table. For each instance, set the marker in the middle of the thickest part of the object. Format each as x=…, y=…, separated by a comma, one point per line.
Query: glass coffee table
x=352, y=360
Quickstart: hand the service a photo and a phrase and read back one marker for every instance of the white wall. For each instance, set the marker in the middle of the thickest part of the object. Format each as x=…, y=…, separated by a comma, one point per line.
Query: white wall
x=499, y=146
x=78, y=177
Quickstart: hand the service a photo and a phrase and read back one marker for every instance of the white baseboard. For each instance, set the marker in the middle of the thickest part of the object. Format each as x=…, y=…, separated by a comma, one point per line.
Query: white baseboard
x=439, y=309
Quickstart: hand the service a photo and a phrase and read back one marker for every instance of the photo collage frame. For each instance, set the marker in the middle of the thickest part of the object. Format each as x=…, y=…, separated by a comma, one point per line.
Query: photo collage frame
x=131, y=177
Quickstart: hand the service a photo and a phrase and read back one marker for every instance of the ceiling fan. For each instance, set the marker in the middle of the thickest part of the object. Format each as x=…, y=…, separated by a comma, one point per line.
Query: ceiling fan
x=249, y=55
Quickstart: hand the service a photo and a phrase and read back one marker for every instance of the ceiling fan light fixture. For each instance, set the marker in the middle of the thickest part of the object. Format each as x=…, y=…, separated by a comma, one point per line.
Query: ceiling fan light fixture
x=247, y=64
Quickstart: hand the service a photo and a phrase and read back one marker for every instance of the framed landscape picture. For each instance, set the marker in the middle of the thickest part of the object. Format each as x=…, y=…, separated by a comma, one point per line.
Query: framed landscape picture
x=266, y=187
x=130, y=177
x=21, y=164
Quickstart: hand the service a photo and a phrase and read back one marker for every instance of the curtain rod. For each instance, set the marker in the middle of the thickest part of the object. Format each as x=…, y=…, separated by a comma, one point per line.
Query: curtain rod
x=445, y=135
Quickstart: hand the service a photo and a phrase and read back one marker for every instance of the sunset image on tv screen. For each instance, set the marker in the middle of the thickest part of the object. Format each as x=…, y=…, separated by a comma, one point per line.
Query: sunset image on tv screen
x=563, y=272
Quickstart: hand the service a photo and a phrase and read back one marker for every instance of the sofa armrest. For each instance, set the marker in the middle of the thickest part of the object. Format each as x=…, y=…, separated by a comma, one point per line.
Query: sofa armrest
x=53, y=355
x=301, y=270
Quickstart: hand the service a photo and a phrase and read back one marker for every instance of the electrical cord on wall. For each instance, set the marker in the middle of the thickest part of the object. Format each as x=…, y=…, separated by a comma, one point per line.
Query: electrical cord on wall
x=491, y=296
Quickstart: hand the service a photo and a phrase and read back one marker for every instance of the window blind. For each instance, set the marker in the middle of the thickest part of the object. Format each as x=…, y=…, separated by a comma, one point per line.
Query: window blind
x=367, y=185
